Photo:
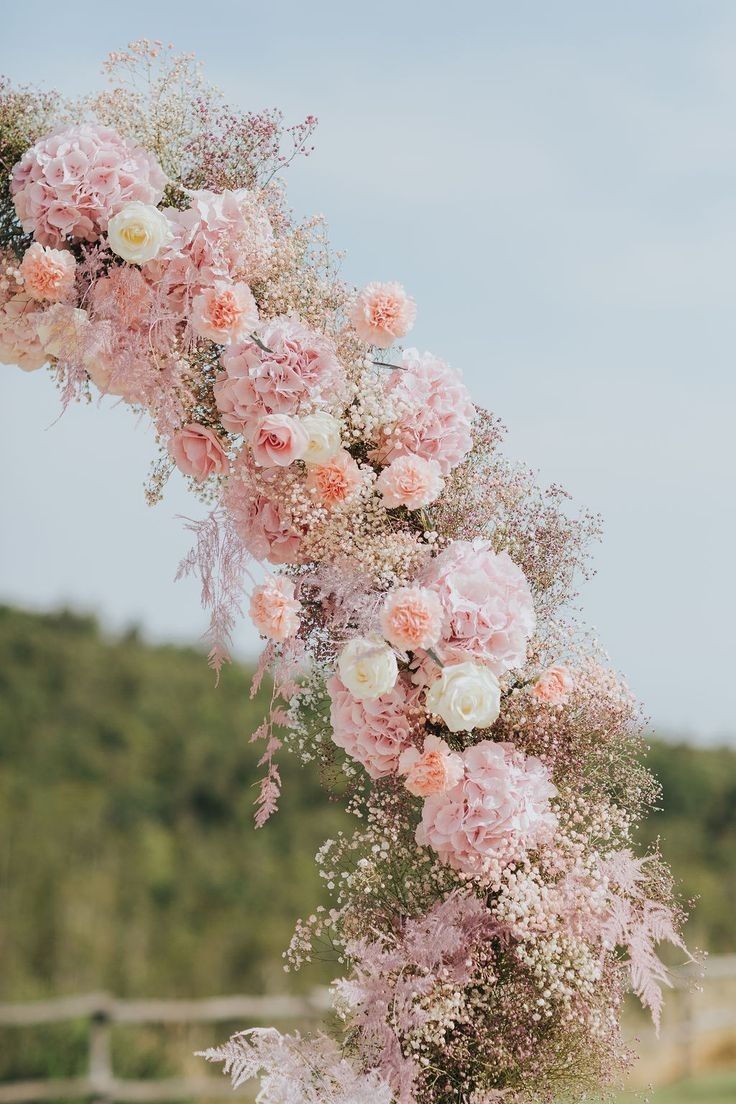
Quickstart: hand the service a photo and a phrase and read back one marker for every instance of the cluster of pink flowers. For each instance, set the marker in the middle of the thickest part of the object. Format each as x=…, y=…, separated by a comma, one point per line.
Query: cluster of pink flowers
x=415, y=599
x=72, y=182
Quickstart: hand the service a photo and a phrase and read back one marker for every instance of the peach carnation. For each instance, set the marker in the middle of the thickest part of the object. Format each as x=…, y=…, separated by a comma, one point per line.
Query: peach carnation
x=382, y=313
x=273, y=608
x=411, y=618
x=373, y=732
x=410, y=481
x=553, y=686
x=48, y=273
x=335, y=481
x=224, y=313
x=487, y=602
x=436, y=412
x=20, y=343
x=434, y=769
x=197, y=451
x=278, y=440
x=497, y=811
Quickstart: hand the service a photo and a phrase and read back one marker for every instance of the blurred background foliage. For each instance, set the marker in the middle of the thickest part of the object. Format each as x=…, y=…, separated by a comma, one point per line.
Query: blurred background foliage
x=128, y=857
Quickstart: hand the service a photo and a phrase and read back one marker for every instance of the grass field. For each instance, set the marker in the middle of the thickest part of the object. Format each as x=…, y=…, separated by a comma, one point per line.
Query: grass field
x=712, y=1088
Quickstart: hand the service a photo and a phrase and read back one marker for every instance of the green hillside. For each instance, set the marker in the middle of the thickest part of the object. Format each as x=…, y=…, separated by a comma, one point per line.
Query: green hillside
x=128, y=860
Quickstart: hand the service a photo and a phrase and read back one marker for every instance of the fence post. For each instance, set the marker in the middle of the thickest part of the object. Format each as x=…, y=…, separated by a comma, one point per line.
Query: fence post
x=100, y=1056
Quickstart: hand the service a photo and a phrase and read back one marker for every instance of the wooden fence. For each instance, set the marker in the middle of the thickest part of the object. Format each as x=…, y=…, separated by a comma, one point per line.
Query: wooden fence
x=104, y=1012
x=695, y=1021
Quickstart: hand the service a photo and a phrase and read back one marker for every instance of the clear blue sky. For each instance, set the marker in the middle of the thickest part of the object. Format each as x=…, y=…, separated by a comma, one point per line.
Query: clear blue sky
x=556, y=184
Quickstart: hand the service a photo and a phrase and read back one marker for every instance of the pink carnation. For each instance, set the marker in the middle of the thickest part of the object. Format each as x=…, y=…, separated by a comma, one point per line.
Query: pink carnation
x=223, y=236
x=71, y=183
x=382, y=313
x=411, y=618
x=224, y=313
x=554, y=686
x=433, y=770
x=497, y=811
x=336, y=480
x=436, y=413
x=197, y=451
x=374, y=732
x=273, y=608
x=48, y=273
x=298, y=368
x=260, y=522
x=488, y=606
x=278, y=440
x=20, y=343
x=410, y=481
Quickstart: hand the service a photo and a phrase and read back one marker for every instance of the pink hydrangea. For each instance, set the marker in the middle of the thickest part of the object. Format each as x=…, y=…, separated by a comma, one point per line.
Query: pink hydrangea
x=223, y=236
x=274, y=609
x=48, y=273
x=197, y=451
x=70, y=183
x=297, y=370
x=435, y=412
x=373, y=732
x=260, y=522
x=20, y=343
x=499, y=809
x=488, y=606
x=382, y=313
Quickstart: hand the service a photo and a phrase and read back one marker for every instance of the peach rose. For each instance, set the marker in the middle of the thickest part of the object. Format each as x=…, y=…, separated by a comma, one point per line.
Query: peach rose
x=553, y=686
x=433, y=770
x=381, y=313
x=336, y=481
x=273, y=608
x=224, y=313
x=278, y=440
x=197, y=451
x=410, y=481
x=48, y=273
x=411, y=618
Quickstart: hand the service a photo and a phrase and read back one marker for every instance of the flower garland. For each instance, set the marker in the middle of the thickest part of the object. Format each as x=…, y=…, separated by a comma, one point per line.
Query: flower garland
x=489, y=908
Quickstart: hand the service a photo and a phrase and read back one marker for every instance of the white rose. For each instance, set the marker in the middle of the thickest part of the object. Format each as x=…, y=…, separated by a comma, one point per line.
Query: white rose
x=137, y=232
x=368, y=668
x=324, y=437
x=465, y=696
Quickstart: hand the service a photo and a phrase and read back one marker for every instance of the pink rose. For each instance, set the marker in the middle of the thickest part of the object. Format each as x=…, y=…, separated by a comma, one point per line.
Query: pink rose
x=434, y=769
x=411, y=618
x=273, y=608
x=48, y=273
x=197, y=451
x=336, y=481
x=279, y=440
x=553, y=686
x=224, y=313
x=382, y=313
x=410, y=481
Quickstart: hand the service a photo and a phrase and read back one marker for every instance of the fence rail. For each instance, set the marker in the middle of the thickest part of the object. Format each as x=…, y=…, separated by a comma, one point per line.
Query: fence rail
x=103, y=1012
